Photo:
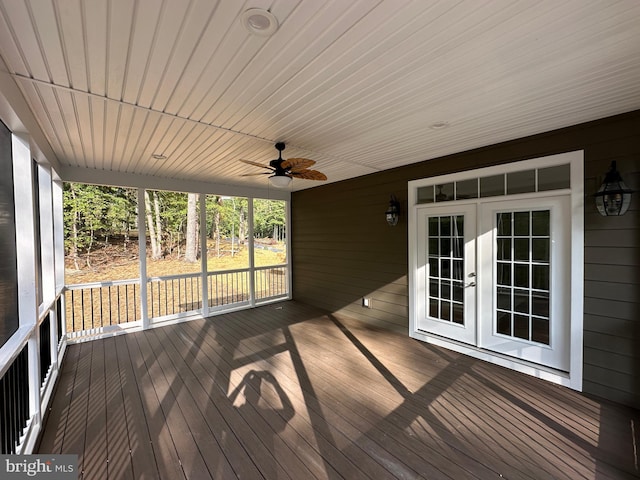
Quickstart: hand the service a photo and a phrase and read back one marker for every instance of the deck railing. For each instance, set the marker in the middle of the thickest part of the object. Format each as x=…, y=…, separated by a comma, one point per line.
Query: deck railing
x=91, y=307
x=228, y=287
x=59, y=316
x=271, y=282
x=28, y=372
x=14, y=403
x=173, y=294
x=97, y=305
x=45, y=347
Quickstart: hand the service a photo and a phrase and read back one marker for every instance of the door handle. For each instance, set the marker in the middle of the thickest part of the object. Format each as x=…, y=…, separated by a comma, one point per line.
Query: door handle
x=470, y=284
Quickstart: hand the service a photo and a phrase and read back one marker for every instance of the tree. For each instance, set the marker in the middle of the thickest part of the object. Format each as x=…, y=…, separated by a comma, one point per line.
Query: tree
x=155, y=234
x=213, y=206
x=94, y=213
x=269, y=218
x=191, y=248
x=71, y=221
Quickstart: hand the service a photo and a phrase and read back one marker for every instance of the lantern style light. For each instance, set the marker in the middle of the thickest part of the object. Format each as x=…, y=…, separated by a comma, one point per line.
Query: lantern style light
x=393, y=212
x=613, y=197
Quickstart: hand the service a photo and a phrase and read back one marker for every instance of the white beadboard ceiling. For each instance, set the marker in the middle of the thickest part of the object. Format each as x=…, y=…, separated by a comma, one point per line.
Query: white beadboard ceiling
x=355, y=85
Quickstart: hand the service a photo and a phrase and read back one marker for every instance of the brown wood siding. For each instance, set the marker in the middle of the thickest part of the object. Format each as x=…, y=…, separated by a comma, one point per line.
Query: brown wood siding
x=343, y=250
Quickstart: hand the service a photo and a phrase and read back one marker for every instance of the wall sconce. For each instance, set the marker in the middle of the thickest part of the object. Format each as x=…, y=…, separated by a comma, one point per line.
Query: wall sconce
x=393, y=212
x=613, y=197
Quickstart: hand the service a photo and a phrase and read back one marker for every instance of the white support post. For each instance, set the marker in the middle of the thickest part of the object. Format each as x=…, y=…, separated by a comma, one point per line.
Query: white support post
x=58, y=233
x=142, y=254
x=47, y=243
x=26, y=263
x=203, y=255
x=48, y=248
x=287, y=232
x=252, y=259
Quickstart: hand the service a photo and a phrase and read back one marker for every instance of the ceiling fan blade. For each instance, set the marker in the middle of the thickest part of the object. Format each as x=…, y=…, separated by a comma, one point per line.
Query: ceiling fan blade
x=255, y=164
x=254, y=174
x=297, y=163
x=309, y=175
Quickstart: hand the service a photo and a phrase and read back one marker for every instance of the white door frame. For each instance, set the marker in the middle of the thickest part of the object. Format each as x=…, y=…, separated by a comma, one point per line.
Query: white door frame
x=572, y=378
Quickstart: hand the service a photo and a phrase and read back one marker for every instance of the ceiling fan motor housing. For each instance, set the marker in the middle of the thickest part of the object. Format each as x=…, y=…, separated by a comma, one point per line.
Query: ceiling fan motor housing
x=277, y=163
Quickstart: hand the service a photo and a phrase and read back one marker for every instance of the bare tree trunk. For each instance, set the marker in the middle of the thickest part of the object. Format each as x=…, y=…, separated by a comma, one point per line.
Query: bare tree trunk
x=74, y=247
x=125, y=227
x=155, y=248
x=217, y=234
x=242, y=227
x=156, y=206
x=74, y=230
x=89, y=247
x=191, y=248
x=216, y=227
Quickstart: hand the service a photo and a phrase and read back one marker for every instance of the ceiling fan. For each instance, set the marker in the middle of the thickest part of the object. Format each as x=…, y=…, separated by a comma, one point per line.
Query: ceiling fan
x=283, y=171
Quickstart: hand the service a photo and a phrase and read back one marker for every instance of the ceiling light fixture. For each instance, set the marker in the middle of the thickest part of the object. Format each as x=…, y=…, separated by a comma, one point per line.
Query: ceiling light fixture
x=280, y=181
x=259, y=22
x=439, y=125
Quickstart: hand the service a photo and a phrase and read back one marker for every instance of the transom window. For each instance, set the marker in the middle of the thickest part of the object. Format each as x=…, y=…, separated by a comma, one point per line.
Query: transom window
x=526, y=181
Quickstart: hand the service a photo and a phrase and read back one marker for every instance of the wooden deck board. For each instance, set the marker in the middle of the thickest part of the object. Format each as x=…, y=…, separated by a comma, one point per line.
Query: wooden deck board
x=271, y=424
x=288, y=391
x=96, y=449
x=166, y=459
x=365, y=389
x=314, y=442
x=142, y=460
x=76, y=425
x=383, y=444
x=52, y=438
x=118, y=448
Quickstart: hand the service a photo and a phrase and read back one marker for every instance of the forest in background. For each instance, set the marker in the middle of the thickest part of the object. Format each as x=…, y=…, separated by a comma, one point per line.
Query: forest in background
x=101, y=234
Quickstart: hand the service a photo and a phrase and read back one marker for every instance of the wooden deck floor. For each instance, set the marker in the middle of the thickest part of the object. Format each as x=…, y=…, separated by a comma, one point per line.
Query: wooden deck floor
x=288, y=392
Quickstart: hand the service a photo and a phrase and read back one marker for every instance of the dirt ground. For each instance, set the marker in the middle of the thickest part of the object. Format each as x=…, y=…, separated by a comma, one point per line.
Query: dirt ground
x=114, y=262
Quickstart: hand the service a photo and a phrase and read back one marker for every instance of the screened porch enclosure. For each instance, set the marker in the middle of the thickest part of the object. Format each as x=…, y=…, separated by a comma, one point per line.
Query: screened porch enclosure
x=197, y=254
x=54, y=309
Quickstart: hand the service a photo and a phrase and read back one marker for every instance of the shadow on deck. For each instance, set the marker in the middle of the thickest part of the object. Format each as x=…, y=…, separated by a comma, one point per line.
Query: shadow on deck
x=288, y=391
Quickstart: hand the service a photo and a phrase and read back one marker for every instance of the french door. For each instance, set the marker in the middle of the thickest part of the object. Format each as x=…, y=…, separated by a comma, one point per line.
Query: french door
x=495, y=275
x=446, y=272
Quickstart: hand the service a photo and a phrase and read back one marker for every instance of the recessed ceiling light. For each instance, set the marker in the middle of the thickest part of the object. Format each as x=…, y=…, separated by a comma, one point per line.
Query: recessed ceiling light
x=158, y=156
x=259, y=21
x=439, y=125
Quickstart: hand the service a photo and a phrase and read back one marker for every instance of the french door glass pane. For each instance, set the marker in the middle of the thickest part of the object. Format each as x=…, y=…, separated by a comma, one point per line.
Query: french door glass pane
x=523, y=270
x=446, y=266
